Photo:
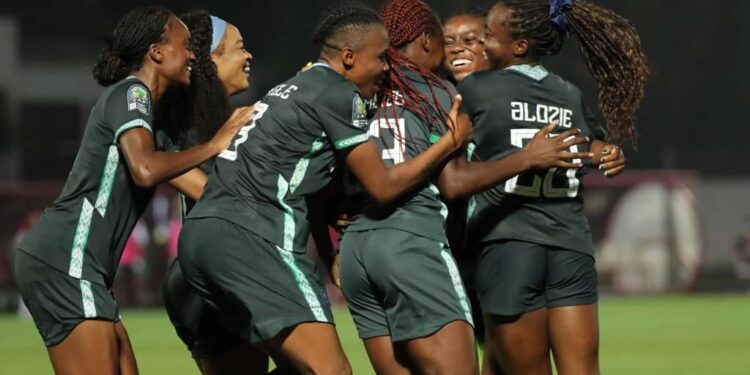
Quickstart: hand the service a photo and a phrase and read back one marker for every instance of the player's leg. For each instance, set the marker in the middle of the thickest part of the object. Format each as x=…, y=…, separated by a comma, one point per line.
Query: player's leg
x=236, y=360
x=310, y=348
x=268, y=296
x=451, y=350
x=214, y=347
x=365, y=306
x=424, y=300
x=573, y=317
x=385, y=358
x=128, y=365
x=90, y=348
x=76, y=318
x=520, y=343
x=510, y=282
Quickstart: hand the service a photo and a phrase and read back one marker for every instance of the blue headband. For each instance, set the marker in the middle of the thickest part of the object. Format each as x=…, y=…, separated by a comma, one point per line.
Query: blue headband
x=557, y=9
x=219, y=26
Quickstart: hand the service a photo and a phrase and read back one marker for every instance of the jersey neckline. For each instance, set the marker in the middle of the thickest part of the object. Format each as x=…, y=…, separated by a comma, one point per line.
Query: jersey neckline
x=535, y=72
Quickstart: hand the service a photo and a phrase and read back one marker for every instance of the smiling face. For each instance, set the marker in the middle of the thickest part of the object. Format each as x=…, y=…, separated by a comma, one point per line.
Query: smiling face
x=464, y=46
x=369, y=62
x=175, y=65
x=502, y=48
x=232, y=61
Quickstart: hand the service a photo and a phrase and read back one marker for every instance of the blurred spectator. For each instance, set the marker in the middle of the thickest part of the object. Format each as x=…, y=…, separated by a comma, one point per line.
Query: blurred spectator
x=742, y=251
x=130, y=282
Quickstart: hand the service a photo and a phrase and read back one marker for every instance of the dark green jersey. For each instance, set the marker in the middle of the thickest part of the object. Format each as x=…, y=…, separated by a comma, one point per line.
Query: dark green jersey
x=287, y=152
x=84, y=232
x=163, y=139
x=400, y=138
x=508, y=107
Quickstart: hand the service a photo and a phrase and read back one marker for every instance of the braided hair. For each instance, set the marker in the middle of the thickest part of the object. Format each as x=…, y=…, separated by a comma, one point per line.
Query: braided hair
x=124, y=50
x=204, y=105
x=406, y=20
x=610, y=46
x=344, y=25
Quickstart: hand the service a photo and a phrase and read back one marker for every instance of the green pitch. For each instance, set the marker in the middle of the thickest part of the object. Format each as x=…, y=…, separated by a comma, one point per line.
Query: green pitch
x=658, y=335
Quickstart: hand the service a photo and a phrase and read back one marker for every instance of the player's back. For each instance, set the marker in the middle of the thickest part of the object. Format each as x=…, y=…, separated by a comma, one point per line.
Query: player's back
x=508, y=107
x=285, y=153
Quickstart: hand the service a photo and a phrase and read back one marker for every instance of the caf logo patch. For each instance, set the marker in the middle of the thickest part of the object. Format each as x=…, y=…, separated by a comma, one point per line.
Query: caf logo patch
x=139, y=99
x=359, y=112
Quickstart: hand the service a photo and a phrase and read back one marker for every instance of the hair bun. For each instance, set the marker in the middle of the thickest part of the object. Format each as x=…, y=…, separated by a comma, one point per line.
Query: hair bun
x=108, y=67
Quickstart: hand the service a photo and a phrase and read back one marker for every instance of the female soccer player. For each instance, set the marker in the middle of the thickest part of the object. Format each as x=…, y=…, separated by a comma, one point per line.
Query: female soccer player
x=397, y=273
x=464, y=44
x=464, y=54
x=536, y=278
x=68, y=260
x=221, y=68
x=242, y=247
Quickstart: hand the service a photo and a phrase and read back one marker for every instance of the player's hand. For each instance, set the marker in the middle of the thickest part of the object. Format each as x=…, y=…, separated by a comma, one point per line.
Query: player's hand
x=544, y=152
x=342, y=221
x=612, y=160
x=335, y=271
x=239, y=118
x=459, y=124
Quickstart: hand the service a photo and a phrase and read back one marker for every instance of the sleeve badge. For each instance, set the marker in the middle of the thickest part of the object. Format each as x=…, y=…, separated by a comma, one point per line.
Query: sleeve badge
x=139, y=99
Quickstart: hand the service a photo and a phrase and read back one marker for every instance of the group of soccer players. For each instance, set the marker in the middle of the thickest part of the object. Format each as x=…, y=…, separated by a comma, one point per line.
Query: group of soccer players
x=373, y=135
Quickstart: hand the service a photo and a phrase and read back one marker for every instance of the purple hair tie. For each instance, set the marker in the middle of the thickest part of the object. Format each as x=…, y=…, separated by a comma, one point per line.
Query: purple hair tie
x=557, y=9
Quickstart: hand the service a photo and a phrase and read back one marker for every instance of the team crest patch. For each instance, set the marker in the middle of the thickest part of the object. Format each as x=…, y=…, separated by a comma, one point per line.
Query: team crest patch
x=139, y=99
x=359, y=112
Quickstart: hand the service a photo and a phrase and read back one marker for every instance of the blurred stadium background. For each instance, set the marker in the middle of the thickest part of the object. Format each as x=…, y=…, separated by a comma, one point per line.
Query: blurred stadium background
x=673, y=231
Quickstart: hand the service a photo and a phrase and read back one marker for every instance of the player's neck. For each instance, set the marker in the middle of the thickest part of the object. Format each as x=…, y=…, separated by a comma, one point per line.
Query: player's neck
x=519, y=61
x=152, y=81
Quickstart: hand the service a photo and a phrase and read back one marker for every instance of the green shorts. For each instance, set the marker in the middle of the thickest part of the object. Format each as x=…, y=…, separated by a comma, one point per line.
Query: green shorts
x=59, y=302
x=196, y=323
x=514, y=277
x=400, y=285
x=256, y=288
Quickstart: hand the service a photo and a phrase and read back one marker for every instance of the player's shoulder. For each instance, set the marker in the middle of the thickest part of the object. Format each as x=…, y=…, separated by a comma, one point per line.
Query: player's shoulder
x=563, y=85
x=486, y=83
x=331, y=87
x=130, y=93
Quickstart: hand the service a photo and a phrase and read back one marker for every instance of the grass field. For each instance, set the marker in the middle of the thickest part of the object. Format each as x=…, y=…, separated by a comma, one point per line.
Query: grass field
x=660, y=335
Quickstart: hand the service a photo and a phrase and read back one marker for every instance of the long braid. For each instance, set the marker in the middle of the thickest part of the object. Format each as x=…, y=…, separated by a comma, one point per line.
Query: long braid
x=611, y=49
x=192, y=115
x=405, y=21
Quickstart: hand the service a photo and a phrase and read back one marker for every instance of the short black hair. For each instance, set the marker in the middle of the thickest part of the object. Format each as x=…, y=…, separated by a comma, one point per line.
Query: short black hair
x=345, y=25
x=470, y=10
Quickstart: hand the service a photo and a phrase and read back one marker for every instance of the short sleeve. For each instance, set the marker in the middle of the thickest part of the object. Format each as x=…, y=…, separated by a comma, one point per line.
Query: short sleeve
x=128, y=107
x=343, y=115
x=592, y=122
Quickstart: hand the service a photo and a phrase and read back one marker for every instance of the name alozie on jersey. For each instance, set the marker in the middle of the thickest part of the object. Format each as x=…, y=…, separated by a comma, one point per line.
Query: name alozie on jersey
x=508, y=107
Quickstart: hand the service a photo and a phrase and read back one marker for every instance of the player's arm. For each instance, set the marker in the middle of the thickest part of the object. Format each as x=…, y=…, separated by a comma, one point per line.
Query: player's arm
x=149, y=167
x=385, y=184
x=460, y=177
x=190, y=184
